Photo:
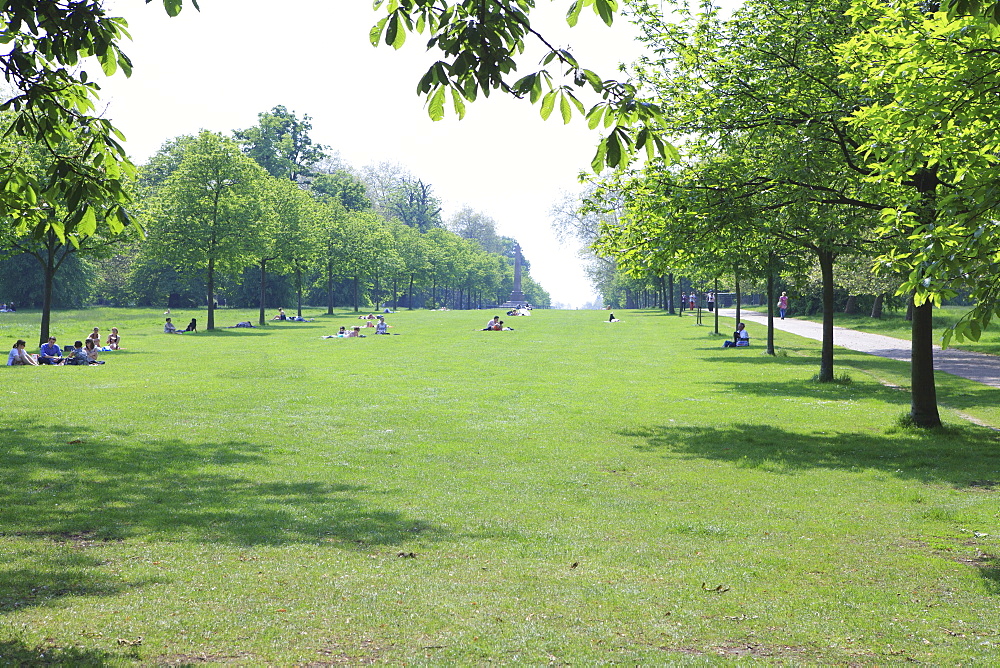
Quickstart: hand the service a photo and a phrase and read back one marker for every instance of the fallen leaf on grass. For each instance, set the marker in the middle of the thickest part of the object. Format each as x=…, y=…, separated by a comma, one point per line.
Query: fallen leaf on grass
x=575, y=564
x=130, y=643
x=720, y=588
x=407, y=555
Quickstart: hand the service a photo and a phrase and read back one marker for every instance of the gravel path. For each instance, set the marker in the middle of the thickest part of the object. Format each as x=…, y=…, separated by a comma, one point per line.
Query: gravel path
x=979, y=367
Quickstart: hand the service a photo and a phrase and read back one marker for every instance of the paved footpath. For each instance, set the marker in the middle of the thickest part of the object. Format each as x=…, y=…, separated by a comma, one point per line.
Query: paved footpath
x=979, y=367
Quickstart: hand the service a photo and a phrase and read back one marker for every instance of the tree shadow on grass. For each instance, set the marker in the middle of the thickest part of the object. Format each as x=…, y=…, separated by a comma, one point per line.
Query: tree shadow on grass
x=18, y=653
x=168, y=489
x=956, y=456
x=815, y=390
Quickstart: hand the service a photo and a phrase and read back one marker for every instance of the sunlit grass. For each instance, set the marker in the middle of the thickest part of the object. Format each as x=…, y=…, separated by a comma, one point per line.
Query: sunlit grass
x=573, y=491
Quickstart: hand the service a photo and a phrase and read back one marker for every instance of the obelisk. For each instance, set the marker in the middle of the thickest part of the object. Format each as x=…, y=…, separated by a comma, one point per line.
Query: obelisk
x=516, y=296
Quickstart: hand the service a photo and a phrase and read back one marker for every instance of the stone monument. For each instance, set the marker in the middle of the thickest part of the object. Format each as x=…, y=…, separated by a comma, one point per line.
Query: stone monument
x=516, y=296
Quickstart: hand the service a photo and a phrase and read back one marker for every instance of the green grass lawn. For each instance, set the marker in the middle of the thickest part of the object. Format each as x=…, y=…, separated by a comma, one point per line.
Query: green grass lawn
x=571, y=492
x=895, y=324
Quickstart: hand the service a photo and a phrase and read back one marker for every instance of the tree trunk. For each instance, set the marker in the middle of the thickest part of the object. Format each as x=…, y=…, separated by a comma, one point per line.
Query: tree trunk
x=355, y=293
x=736, y=275
x=409, y=303
x=670, y=294
x=770, y=303
x=923, y=394
x=716, y=307
x=909, y=310
x=329, y=288
x=263, y=290
x=877, y=306
x=298, y=288
x=826, y=356
x=50, y=274
x=850, y=308
x=211, y=294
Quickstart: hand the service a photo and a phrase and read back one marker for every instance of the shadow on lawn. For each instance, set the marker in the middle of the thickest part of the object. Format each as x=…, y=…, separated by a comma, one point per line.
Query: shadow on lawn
x=95, y=490
x=17, y=653
x=956, y=456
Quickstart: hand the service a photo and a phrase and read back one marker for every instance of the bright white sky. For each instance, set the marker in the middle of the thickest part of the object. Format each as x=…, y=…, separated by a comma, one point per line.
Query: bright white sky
x=218, y=68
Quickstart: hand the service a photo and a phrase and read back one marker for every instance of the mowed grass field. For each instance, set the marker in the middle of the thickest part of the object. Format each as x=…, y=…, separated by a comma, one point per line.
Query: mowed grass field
x=572, y=492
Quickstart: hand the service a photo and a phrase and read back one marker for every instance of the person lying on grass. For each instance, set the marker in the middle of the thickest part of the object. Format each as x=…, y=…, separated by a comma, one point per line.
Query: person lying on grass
x=355, y=332
x=18, y=357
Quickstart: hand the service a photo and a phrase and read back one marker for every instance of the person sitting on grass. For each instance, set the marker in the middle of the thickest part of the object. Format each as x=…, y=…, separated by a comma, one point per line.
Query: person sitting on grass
x=18, y=357
x=612, y=318
x=169, y=328
x=741, y=338
x=114, y=340
x=490, y=323
x=281, y=314
x=92, y=350
x=77, y=356
x=95, y=336
x=50, y=353
x=381, y=327
x=192, y=326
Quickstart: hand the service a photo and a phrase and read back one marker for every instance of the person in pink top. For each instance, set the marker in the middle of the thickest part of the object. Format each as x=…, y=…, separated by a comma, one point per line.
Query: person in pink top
x=783, y=304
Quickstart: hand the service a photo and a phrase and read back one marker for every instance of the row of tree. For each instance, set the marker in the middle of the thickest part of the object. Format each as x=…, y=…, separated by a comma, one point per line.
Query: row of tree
x=212, y=216
x=818, y=132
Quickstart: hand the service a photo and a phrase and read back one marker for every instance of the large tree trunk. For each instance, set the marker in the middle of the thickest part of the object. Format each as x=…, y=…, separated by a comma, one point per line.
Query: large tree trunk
x=210, y=275
x=877, y=306
x=409, y=303
x=670, y=294
x=770, y=303
x=49, y=270
x=850, y=308
x=909, y=310
x=923, y=393
x=263, y=290
x=826, y=258
x=355, y=293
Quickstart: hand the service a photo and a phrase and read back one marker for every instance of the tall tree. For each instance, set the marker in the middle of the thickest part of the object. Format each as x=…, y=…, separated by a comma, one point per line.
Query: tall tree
x=280, y=143
x=208, y=212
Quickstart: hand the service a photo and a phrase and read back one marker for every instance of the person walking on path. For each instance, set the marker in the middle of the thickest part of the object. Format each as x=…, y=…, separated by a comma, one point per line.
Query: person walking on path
x=783, y=304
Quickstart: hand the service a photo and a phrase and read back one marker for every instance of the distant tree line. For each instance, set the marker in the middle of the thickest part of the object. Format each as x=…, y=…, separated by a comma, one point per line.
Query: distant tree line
x=263, y=218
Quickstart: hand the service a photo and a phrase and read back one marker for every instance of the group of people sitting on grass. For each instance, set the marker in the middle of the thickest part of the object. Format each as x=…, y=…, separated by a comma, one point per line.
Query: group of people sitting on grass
x=292, y=318
x=496, y=325
x=355, y=331
x=82, y=352
x=7, y=308
x=170, y=328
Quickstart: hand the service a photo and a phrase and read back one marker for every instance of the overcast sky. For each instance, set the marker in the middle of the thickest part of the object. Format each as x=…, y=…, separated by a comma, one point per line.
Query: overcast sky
x=218, y=68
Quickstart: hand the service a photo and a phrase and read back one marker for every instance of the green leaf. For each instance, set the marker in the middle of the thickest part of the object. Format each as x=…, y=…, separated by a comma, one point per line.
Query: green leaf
x=173, y=7
x=606, y=10
x=458, y=103
x=376, y=32
x=597, y=164
x=548, y=103
x=565, y=109
x=435, y=105
x=573, y=15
